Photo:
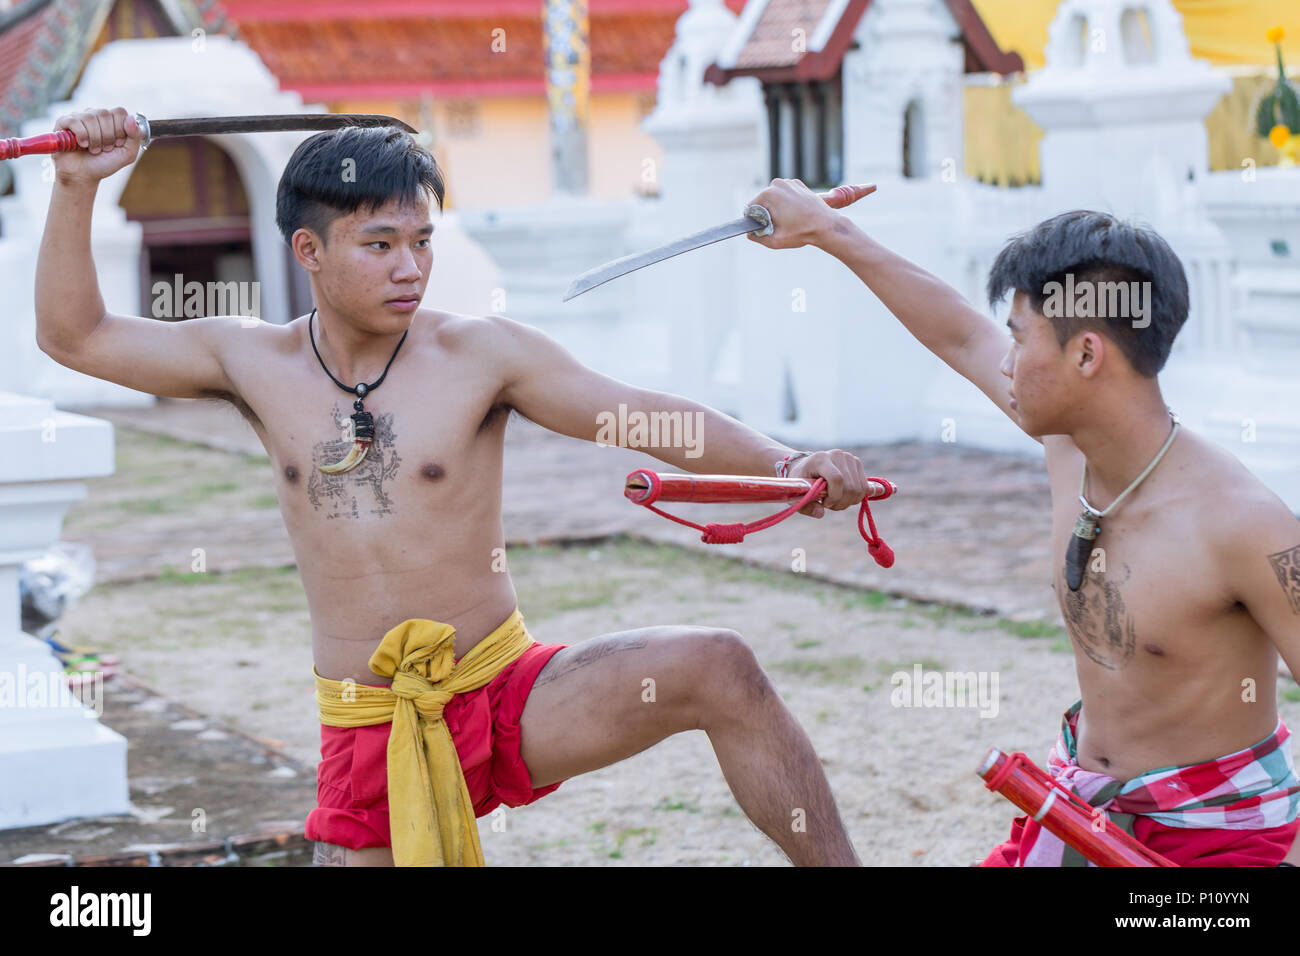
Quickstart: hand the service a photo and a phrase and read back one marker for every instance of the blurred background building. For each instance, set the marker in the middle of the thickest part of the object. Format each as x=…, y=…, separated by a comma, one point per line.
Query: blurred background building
x=574, y=132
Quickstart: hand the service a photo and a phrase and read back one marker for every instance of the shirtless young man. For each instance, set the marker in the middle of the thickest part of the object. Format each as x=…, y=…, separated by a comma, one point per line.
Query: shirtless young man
x=1177, y=640
x=404, y=544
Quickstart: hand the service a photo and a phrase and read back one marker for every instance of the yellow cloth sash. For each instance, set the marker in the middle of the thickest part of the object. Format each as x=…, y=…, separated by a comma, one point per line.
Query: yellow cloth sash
x=430, y=812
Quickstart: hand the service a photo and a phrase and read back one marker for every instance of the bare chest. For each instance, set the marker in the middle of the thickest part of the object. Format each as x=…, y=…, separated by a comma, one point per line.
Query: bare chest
x=437, y=436
x=1148, y=591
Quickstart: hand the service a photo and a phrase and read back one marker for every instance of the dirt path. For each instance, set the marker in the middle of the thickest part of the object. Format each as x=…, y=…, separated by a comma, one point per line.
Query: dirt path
x=236, y=647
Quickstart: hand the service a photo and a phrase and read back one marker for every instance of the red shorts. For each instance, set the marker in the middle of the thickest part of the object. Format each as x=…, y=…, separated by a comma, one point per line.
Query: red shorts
x=352, y=777
x=1186, y=846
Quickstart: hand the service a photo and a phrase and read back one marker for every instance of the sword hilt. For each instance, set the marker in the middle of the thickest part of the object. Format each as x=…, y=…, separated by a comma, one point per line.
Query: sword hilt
x=760, y=213
x=60, y=141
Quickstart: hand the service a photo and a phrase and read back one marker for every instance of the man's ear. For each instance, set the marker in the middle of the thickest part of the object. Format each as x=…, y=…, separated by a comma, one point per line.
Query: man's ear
x=306, y=247
x=1089, y=353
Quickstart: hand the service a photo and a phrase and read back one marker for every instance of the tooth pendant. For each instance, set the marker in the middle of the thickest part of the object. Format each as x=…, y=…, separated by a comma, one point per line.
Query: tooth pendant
x=363, y=433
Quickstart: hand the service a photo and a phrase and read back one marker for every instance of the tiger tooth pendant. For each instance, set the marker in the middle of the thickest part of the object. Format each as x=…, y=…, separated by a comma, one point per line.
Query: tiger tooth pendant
x=363, y=433
x=1079, y=549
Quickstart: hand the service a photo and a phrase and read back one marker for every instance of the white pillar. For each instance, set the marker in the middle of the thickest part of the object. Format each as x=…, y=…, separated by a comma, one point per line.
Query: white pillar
x=57, y=760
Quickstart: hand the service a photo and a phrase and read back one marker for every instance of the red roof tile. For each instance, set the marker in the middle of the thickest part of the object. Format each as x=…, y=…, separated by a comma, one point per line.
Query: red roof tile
x=769, y=53
x=772, y=42
x=17, y=46
x=328, y=49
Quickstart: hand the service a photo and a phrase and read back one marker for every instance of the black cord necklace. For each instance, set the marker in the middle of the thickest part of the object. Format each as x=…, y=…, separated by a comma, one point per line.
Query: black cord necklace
x=363, y=423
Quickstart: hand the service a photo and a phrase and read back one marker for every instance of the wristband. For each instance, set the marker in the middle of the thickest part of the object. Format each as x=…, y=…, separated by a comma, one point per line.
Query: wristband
x=783, y=466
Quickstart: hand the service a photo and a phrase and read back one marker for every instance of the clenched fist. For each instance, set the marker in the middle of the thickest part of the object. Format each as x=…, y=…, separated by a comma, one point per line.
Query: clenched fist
x=109, y=140
x=846, y=480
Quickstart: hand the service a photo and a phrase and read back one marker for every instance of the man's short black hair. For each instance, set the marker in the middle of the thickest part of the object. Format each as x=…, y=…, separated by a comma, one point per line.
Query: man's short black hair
x=1096, y=248
x=335, y=173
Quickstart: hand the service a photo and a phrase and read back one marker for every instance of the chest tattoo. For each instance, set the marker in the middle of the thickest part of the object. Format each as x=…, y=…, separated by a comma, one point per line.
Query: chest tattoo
x=1098, y=620
x=1286, y=565
x=364, y=489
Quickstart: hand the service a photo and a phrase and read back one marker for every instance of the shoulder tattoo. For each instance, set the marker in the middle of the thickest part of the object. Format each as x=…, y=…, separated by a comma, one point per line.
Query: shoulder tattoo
x=1286, y=565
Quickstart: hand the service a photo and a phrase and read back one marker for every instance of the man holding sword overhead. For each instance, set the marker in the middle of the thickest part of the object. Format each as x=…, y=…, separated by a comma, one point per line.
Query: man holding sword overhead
x=436, y=704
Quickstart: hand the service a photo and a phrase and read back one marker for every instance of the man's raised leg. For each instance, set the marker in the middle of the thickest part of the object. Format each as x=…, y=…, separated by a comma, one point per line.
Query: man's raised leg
x=589, y=708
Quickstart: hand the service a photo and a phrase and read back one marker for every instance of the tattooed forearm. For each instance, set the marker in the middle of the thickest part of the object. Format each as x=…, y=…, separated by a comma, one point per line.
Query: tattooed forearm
x=576, y=658
x=1286, y=565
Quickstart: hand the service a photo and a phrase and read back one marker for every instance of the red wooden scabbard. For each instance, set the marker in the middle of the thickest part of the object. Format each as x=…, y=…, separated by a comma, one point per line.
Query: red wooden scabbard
x=646, y=487
x=1034, y=791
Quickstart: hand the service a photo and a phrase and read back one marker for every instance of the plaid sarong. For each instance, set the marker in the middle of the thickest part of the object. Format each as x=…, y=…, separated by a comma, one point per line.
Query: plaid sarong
x=1252, y=789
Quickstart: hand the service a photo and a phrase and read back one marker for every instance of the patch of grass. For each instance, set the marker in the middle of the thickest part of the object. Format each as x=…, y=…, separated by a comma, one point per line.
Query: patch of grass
x=807, y=643
x=216, y=487
x=666, y=803
x=578, y=595
x=1061, y=647
x=927, y=664
x=148, y=506
x=835, y=669
x=554, y=844
x=265, y=501
x=945, y=614
x=648, y=836
x=1030, y=628
x=1292, y=694
x=871, y=600
x=279, y=608
x=171, y=575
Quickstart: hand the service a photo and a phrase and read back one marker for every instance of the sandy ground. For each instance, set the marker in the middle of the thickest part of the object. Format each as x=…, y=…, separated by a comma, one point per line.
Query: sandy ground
x=237, y=647
x=233, y=643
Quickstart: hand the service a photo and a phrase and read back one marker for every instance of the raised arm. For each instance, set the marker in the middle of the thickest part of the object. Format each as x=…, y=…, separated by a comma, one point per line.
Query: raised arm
x=177, y=359
x=552, y=388
x=941, y=319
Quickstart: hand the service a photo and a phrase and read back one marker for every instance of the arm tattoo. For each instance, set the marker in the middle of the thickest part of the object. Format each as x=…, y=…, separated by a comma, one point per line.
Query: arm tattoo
x=1286, y=565
x=588, y=653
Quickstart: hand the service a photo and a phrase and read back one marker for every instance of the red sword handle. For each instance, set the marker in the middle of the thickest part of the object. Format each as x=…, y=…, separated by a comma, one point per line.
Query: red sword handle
x=62, y=141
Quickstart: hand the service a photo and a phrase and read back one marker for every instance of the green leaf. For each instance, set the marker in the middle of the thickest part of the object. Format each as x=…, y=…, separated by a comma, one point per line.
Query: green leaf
x=1290, y=107
x=1265, y=116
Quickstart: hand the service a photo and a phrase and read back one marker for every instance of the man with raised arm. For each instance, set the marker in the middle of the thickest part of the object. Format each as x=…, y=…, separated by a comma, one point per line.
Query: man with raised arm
x=1178, y=574
x=436, y=704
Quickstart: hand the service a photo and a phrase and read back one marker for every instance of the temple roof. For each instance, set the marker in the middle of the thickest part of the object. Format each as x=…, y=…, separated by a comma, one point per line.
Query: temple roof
x=333, y=49
x=765, y=50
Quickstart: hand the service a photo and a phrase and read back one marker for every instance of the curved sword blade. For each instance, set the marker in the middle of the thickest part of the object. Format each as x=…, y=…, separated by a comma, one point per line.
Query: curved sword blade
x=207, y=125
x=621, y=267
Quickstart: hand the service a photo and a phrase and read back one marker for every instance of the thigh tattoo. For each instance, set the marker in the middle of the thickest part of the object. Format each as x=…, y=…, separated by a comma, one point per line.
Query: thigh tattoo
x=329, y=854
x=590, y=652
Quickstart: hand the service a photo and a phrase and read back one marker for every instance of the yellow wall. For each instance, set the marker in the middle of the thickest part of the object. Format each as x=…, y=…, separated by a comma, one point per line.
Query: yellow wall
x=1225, y=32
x=1002, y=141
x=496, y=150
